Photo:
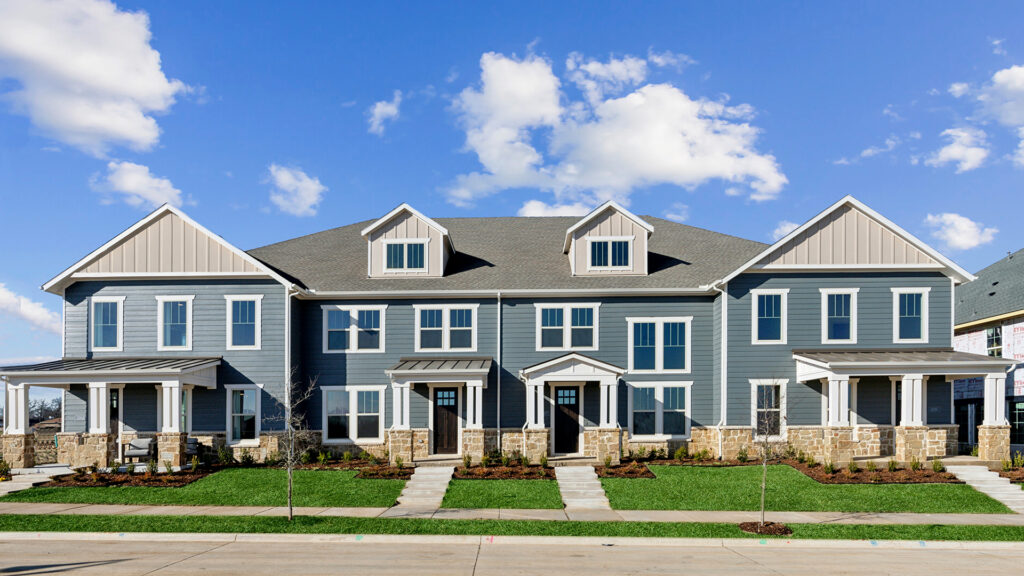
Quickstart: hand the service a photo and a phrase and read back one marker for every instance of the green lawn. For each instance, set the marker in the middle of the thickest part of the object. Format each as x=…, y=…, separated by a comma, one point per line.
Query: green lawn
x=342, y=525
x=738, y=488
x=502, y=494
x=237, y=487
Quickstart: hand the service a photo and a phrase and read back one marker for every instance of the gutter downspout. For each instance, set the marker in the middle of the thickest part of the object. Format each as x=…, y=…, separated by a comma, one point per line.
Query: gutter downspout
x=724, y=368
x=288, y=358
x=498, y=372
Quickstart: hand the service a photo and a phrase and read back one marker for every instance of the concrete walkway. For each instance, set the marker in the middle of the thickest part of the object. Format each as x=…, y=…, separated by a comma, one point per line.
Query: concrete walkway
x=995, y=486
x=25, y=478
x=582, y=492
x=425, y=490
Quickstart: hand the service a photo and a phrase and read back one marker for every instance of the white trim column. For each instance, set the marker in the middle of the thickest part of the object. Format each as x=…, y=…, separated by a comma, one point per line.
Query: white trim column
x=400, y=405
x=475, y=404
x=609, y=402
x=99, y=408
x=534, y=404
x=995, y=400
x=16, y=413
x=170, y=405
x=913, y=400
x=838, y=401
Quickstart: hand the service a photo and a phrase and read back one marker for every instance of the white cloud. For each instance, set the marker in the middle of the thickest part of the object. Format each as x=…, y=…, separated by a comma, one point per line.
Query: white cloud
x=997, y=46
x=890, y=144
x=891, y=112
x=784, y=228
x=601, y=148
x=295, y=192
x=967, y=148
x=678, y=211
x=669, y=59
x=136, y=186
x=540, y=208
x=959, y=232
x=1018, y=156
x=958, y=89
x=85, y=72
x=32, y=312
x=383, y=112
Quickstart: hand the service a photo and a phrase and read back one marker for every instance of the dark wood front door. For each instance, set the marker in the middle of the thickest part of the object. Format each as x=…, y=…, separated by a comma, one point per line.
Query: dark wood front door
x=446, y=421
x=567, y=419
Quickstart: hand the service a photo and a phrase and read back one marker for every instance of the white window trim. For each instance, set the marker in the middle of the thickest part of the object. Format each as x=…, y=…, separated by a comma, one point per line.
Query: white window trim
x=120, y=323
x=754, y=336
x=258, y=299
x=229, y=389
x=353, y=328
x=659, y=344
x=825, y=293
x=659, y=410
x=567, y=326
x=353, y=414
x=925, y=312
x=609, y=239
x=445, y=326
x=782, y=384
x=160, y=300
x=405, y=255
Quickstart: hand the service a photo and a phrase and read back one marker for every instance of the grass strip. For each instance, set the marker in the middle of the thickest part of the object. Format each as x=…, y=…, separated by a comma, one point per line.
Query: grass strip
x=502, y=494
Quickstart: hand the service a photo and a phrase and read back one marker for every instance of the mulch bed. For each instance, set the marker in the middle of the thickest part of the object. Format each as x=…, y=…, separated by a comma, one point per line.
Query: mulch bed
x=103, y=479
x=1016, y=475
x=768, y=529
x=384, y=473
x=504, y=473
x=633, y=469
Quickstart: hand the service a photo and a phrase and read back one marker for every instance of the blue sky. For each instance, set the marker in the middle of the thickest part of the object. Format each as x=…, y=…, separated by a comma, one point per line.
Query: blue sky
x=265, y=121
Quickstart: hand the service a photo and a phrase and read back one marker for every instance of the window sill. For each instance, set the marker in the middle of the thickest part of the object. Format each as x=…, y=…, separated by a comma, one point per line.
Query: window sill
x=658, y=437
x=767, y=342
x=240, y=348
x=353, y=441
x=851, y=341
x=244, y=444
x=914, y=341
x=656, y=372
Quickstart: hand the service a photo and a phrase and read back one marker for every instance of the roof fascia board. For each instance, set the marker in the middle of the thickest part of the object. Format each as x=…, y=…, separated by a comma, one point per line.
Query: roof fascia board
x=610, y=204
x=989, y=319
x=545, y=293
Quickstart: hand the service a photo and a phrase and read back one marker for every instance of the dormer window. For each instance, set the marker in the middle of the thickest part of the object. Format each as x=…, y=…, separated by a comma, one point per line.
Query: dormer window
x=607, y=242
x=405, y=243
x=405, y=255
x=610, y=253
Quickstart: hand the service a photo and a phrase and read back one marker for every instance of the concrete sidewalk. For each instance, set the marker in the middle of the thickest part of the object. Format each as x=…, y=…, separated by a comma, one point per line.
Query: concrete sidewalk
x=729, y=517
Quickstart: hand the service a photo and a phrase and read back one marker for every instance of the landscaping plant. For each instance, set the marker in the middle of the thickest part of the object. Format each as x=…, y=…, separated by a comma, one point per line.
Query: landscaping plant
x=608, y=461
x=871, y=466
x=321, y=458
x=5, y=470
x=1007, y=466
x=893, y=466
x=544, y=461
x=682, y=453
x=828, y=467
x=151, y=467
x=195, y=464
x=346, y=456
x=504, y=460
x=129, y=468
x=467, y=461
x=915, y=464
x=852, y=467
x=399, y=463
x=741, y=455
x=524, y=461
x=298, y=440
x=937, y=466
x=167, y=467
x=1018, y=459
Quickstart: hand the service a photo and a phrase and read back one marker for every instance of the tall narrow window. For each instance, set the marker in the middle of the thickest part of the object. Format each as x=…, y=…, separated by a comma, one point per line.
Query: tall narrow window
x=598, y=254
x=431, y=329
x=460, y=331
x=174, y=322
x=644, y=411
x=674, y=342
x=620, y=254
x=839, y=315
x=243, y=414
x=767, y=408
x=336, y=414
x=582, y=327
x=396, y=256
x=674, y=406
x=369, y=330
x=994, y=341
x=910, y=315
x=415, y=260
x=552, y=322
x=106, y=324
x=368, y=420
x=768, y=316
x=644, y=345
x=244, y=322
x=338, y=325
x=659, y=344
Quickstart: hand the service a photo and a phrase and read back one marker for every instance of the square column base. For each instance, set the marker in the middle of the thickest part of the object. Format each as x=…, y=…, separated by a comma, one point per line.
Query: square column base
x=400, y=446
x=96, y=450
x=473, y=443
x=170, y=447
x=911, y=443
x=994, y=443
x=537, y=443
x=20, y=450
x=837, y=444
x=600, y=443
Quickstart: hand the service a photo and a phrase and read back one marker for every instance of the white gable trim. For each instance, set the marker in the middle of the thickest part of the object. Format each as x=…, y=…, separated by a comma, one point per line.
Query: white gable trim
x=955, y=271
x=602, y=367
x=56, y=285
x=611, y=204
x=404, y=207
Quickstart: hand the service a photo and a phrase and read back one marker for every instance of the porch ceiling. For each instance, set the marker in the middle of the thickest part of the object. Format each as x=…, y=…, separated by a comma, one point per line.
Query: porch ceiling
x=814, y=364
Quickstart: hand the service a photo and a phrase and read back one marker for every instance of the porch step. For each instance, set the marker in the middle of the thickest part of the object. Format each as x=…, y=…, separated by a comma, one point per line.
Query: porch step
x=991, y=484
x=426, y=488
x=580, y=488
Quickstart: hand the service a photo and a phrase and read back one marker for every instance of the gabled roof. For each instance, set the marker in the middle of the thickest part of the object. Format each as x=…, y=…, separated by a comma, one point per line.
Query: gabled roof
x=947, y=266
x=405, y=207
x=609, y=205
x=573, y=357
x=62, y=280
x=998, y=291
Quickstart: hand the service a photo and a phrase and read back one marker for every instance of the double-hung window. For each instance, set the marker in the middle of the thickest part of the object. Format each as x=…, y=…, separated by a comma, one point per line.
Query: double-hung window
x=659, y=409
x=994, y=341
x=839, y=315
x=353, y=413
x=107, y=329
x=768, y=407
x=244, y=322
x=910, y=315
x=405, y=255
x=446, y=328
x=610, y=253
x=768, y=313
x=353, y=329
x=174, y=322
x=243, y=413
x=567, y=327
x=659, y=344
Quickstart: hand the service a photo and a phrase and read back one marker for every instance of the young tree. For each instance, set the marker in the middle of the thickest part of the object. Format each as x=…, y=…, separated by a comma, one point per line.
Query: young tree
x=297, y=435
x=769, y=419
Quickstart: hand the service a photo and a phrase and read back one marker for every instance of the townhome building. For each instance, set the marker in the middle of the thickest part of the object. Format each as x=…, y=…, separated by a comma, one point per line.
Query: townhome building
x=990, y=321
x=573, y=338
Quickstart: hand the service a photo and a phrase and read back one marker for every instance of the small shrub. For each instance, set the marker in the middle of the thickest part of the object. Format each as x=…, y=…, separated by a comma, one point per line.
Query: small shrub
x=346, y=456
x=372, y=459
x=660, y=454
x=790, y=452
x=544, y=461
x=399, y=463
x=893, y=466
x=524, y=461
x=5, y=469
x=504, y=460
x=485, y=460
x=194, y=465
x=974, y=450
x=852, y=467
x=682, y=453
x=608, y=461
x=809, y=460
x=828, y=467
x=1007, y=465
x=915, y=464
x=801, y=457
x=224, y=456
x=871, y=466
x=305, y=458
x=321, y=458
x=151, y=467
x=115, y=467
x=364, y=455
x=876, y=478
x=641, y=452
x=937, y=466
x=246, y=458
x=702, y=455
x=467, y=461
x=1018, y=459
x=742, y=455
x=273, y=458
x=129, y=468
x=167, y=467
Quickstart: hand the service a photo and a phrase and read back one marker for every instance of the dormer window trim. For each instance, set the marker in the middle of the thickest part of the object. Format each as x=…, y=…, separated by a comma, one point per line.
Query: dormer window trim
x=406, y=242
x=609, y=256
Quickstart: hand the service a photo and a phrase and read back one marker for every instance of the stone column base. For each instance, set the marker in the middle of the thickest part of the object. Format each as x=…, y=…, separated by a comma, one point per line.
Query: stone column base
x=96, y=450
x=67, y=448
x=473, y=443
x=837, y=444
x=599, y=443
x=536, y=443
x=942, y=441
x=994, y=443
x=19, y=450
x=911, y=443
x=170, y=448
x=400, y=446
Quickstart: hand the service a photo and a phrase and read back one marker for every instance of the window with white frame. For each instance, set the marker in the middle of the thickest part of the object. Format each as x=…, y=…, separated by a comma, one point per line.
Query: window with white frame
x=353, y=413
x=768, y=407
x=243, y=414
x=659, y=409
x=768, y=316
x=659, y=344
x=994, y=341
x=244, y=322
x=839, y=315
x=107, y=333
x=567, y=326
x=610, y=253
x=910, y=315
x=174, y=322
x=405, y=255
x=446, y=328
x=353, y=329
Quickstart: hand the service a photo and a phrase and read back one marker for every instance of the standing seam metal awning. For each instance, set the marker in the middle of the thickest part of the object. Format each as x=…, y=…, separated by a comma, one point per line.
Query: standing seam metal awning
x=814, y=364
x=200, y=370
x=436, y=366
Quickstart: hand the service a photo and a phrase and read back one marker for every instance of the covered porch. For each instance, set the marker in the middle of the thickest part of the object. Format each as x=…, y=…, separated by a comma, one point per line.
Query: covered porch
x=899, y=403
x=97, y=434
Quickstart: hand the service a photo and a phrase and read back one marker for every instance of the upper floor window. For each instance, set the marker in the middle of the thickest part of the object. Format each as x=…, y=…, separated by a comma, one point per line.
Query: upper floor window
x=659, y=344
x=610, y=253
x=353, y=329
x=567, y=327
x=659, y=409
x=353, y=413
x=244, y=322
x=910, y=315
x=446, y=328
x=408, y=255
x=174, y=322
x=107, y=323
x=839, y=315
x=994, y=341
x=769, y=316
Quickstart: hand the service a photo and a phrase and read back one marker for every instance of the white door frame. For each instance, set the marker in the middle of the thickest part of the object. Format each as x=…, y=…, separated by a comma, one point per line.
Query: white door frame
x=574, y=383
x=459, y=386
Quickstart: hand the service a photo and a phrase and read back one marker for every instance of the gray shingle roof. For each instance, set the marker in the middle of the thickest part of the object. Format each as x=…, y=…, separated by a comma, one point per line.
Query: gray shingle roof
x=510, y=254
x=998, y=290
x=126, y=365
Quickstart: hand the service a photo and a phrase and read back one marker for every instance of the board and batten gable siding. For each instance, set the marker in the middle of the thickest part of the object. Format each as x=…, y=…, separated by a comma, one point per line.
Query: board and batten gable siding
x=209, y=334
x=610, y=223
x=407, y=225
x=874, y=330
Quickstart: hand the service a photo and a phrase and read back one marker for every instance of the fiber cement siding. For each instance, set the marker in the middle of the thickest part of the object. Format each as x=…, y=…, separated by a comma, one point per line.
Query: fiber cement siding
x=76, y=408
x=874, y=401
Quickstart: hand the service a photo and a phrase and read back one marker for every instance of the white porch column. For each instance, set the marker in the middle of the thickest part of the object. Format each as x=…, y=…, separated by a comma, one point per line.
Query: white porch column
x=534, y=404
x=995, y=400
x=913, y=400
x=99, y=408
x=17, y=409
x=475, y=406
x=171, y=405
x=400, y=405
x=839, y=401
x=609, y=402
